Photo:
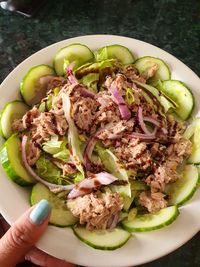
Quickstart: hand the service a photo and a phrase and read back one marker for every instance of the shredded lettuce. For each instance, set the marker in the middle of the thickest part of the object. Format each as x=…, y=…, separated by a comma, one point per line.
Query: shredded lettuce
x=110, y=162
x=74, y=142
x=57, y=148
x=95, y=68
x=91, y=80
x=49, y=171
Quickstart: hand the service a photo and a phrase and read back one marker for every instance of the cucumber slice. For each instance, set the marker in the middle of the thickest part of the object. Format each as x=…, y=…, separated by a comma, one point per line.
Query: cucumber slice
x=149, y=222
x=195, y=156
x=60, y=215
x=13, y=110
x=143, y=65
x=115, y=51
x=198, y=168
x=193, y=133
x=181, y=95
x=77, y=53
x=102, y=239
x=30, y=89
x=11, y=161
x=183, y=189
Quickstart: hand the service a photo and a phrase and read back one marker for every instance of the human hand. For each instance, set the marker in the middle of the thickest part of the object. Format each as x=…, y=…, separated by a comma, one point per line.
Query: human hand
x=18, y=241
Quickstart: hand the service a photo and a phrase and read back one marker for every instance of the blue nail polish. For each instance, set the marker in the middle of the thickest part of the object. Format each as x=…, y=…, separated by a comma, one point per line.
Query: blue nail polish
x=40, y=212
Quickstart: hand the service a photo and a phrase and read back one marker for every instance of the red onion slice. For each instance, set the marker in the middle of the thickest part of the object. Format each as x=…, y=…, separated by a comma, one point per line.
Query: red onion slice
x=156, y=123
x=142, y=136
x=86, y=93
x=70, y=75
x=88, y=152
x=151, y=120
x=113, y=222
x=32, y=173
x=92, y=183
x=124, y=111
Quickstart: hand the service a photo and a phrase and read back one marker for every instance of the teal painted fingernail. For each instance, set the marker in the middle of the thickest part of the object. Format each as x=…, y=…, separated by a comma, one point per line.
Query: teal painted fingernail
x=40, y=212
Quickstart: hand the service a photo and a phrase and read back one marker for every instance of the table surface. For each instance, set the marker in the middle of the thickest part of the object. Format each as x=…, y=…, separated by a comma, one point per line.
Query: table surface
x=173, y=25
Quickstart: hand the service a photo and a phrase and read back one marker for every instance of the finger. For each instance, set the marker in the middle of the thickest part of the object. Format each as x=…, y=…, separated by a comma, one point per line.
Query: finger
x=23, y=234
x=42, y=259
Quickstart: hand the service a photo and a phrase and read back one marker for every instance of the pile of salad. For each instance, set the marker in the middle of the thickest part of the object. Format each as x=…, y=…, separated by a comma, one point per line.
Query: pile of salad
x=104, y=138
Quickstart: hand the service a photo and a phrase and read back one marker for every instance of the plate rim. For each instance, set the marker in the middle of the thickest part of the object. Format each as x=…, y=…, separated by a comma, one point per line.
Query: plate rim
x=40, y=245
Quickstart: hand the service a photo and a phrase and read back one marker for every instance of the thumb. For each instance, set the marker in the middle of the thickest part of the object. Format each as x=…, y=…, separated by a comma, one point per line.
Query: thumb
x=23, y=234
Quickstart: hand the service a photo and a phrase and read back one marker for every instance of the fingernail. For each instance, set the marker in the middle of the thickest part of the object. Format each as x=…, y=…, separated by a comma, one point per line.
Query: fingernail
x=40, y=212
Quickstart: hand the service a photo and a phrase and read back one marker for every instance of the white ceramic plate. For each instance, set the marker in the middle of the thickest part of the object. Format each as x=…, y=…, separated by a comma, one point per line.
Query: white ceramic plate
x=61, y=242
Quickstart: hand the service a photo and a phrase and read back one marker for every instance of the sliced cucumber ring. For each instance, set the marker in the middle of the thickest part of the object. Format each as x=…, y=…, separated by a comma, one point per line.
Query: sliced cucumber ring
x=195, y=156
x=149, y=222
x=13, y=110
x=11, y=160
x=115, y=51
x=77, y=53
x=193, y=133
x=32, y=92
x=102, y=239
x=143, y=65
x=60, y=215
x=183, y=189
x=181, y=95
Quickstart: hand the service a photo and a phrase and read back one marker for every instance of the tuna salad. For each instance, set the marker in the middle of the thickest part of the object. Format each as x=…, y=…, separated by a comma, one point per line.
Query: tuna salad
x=105, y=140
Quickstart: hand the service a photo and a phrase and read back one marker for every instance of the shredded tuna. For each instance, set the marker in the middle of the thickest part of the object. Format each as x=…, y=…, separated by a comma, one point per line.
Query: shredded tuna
x=28, y=118
x=162, y=176
x=116, y=130
x=182, y=148
x=134, y=154
x=151, y=71
x=84, y=112
x=56, y=82
x=108, y=110
x=57, y=105
x=17, y=126
x=61, y=124
x=133, y=74
x=67, y=168
x=152, y=201
x=33, y=153
x=96, y=211
x=44, y=127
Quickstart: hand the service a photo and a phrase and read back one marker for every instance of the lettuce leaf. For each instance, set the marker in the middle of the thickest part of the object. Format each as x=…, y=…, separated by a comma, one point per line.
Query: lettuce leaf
x=49, y=171
x=74, y=142
x=91, y=80
x=57, y=148
x=111, y=163
x=102, y=54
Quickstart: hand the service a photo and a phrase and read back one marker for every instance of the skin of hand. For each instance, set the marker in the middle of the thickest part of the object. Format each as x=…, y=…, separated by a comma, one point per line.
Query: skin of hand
x=18, y=241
